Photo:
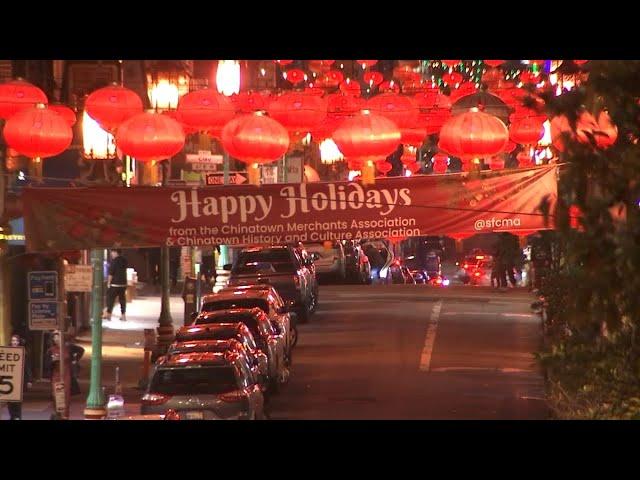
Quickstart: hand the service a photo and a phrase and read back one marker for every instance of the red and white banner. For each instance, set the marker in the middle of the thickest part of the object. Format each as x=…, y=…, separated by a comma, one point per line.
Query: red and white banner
x=81, y=218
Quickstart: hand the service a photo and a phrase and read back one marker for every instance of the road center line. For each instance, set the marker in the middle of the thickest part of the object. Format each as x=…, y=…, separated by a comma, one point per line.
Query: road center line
x=427, y=350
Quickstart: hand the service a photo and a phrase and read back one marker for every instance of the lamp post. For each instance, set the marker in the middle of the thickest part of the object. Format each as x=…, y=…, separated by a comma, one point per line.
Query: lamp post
x=167, y=81
x=97, y=145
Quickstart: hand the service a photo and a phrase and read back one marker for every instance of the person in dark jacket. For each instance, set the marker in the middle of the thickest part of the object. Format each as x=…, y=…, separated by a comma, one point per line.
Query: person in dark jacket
x=72, y=355
x=15, y=408
x=117, y=283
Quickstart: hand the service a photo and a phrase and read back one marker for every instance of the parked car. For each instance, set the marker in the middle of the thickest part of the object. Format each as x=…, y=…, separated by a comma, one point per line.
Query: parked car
x=267, y=339
x=232, y=330
x=204, y=386
x=282, y=267
x=399, y=274
x=258, y=361
x=263, y=296
x=329, y=259
x=358, y=267
x=307, y=260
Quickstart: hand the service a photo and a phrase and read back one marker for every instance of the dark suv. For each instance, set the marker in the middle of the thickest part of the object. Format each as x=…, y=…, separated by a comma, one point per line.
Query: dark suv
x=282, y=267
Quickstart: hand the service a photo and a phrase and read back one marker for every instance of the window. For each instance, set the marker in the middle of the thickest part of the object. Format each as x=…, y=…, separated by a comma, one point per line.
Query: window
x=197, y=380
x=247, y=339
x=269, y=260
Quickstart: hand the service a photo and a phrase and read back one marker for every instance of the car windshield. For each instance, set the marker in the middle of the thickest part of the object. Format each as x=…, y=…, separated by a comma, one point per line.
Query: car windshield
x=270, y=260
x=236, y=303
x=194, y=380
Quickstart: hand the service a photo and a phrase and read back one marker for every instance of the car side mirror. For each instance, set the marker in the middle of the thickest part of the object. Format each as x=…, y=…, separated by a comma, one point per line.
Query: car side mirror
x=227, y=266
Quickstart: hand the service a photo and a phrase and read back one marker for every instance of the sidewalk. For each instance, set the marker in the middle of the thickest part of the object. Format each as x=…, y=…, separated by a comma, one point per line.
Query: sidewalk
x=122, y=345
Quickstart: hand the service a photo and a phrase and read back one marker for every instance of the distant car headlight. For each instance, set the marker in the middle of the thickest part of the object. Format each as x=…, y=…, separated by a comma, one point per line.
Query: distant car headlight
x=384, y=272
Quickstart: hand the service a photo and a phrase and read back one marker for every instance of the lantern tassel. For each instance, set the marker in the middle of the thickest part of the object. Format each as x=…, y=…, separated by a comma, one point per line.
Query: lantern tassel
x=253, y=172
x=368, y=175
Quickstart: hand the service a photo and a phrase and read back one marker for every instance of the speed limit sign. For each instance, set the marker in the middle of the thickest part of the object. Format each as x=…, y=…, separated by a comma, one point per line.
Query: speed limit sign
x=11, y=373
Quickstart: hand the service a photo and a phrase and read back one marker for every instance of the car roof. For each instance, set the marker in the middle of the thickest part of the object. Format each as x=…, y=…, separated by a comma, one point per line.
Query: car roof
x=228, y=294
x=214, y=329
x=240, y=313
x=189, y=359
x=265, y=247
x=206, y=345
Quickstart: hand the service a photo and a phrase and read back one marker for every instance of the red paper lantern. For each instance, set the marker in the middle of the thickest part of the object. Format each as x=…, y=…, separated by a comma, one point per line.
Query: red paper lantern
x=496, y=163
x=452, y=78
x=413, y=167
x=462, y=90
x=580, y=62
x=575, y=214
x=524, y=159
x=17, y=95
x=401, y=109
x=451, y=63
x=112, y=105
x=255, y=138
x=295, y=76
x=433, y=120
x=440, y=163
x=413, y=136
x=37, y=132
x=283, y=62
x=373, y=78
x=205, y=109
x=65, y=112
x=330, y=79
x=427, y=99
x=367, y=136
x=389, y=86
x=384, y=167
x=150, y=137
x=529, y=77
x=298, y=112
x=405, y=73
x=494, y=63
x=492, y=76
x=341, y=105
x=350, y=87
x=560, y=127
x=526, y=131
x=366, y=63
x=177, y=117
x=473, y=134
x=248, y=102
x=313, y=91
x=326, y=128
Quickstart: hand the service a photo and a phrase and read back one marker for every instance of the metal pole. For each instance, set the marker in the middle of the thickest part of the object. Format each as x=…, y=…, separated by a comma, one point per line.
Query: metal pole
x=165, y=322
x=63, y=337
x=95, y=407
x=221, y=274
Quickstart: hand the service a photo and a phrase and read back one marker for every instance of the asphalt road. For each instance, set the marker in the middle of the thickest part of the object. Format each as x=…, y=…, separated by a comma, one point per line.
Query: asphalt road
x=416, y=352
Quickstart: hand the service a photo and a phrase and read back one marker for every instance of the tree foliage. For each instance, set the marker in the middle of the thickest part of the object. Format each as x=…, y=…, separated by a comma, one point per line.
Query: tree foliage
x=592, y=356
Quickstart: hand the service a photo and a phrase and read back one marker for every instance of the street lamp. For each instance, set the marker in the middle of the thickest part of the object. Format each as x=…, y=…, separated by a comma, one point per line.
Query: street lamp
x=228, y=77
x=97, y=144
x=167, y=81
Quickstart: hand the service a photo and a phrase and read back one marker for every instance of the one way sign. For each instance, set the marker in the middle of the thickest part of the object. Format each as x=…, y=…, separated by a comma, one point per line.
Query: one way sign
x=235, y=178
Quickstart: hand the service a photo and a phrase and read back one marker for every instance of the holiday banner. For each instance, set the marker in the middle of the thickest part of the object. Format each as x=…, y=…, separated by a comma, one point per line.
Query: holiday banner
x=59, y=219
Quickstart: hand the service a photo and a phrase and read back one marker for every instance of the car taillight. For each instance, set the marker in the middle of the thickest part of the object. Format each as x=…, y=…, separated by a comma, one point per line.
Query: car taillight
x=154, y=399
x=477, y=274
x=439, y=281
x=233, y=397
x=296, y=281
x=465, y=266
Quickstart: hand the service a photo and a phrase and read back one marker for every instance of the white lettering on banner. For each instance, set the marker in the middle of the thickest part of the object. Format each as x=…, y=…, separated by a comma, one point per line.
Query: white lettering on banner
x=491, y=223
x=258, y=207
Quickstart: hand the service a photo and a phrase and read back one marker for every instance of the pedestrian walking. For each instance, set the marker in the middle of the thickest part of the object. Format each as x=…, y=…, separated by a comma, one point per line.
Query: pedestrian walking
x=117, y=285
x=15, y=408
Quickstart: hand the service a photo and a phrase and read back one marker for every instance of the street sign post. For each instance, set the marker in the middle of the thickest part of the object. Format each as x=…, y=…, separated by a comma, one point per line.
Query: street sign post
x=78, y=278
x=44, y=315
x=235, y=178
x=11, y=373
x=43, y=285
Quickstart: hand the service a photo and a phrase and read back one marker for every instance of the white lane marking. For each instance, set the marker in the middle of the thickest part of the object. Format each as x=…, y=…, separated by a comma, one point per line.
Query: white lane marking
x=485, y=369
x=492, y=314
x=427, y=350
